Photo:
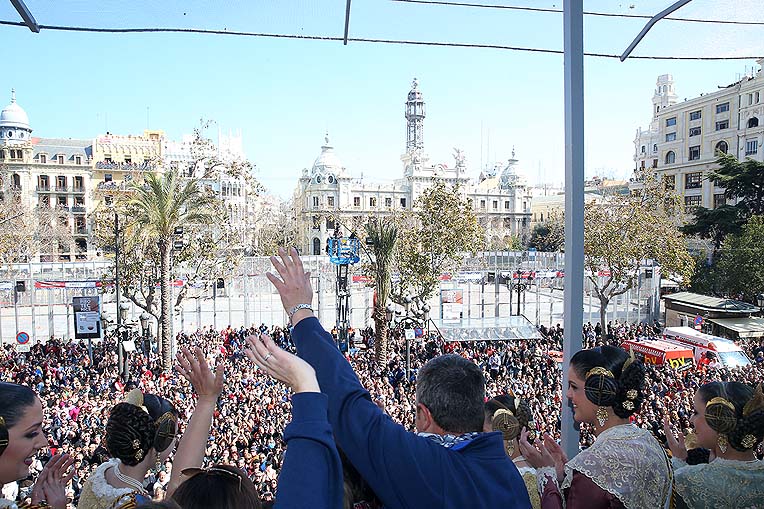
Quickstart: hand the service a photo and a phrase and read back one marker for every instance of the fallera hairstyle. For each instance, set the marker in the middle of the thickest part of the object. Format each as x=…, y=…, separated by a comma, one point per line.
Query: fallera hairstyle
x=453, y=390
x=16, y=399
x=520, y=410
x=611, y=385
x=218, y=487
x=743, y=425
x=131, y=431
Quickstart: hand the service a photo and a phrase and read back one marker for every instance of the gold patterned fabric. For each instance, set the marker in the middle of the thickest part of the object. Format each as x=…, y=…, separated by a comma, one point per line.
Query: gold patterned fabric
x=99, y=494
x=627, y=462
x=721, y=483
x=529, y=477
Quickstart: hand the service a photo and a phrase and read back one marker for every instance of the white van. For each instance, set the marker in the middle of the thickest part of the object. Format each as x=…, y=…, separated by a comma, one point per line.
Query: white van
x=724, y=351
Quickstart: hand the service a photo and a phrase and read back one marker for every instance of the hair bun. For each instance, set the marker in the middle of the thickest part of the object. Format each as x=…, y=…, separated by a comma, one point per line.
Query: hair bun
x=504, y=420
x=601, y=388
x=721, y=415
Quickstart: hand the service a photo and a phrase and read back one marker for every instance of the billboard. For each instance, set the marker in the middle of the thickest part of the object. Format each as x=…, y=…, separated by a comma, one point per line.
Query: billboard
x=87, y=317
x=451, y=302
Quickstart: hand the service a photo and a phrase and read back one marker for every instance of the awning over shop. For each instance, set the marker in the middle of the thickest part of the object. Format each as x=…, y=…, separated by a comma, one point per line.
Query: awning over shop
x=752, y=327
x=488, y=329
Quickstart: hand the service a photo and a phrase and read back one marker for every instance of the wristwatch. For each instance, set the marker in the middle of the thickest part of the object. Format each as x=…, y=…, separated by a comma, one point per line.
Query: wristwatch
x=299, y=307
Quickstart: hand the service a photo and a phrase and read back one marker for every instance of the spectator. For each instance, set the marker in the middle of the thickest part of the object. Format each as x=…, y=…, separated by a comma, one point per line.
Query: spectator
x=450, y=463
x=728, y=420
x=605, y=387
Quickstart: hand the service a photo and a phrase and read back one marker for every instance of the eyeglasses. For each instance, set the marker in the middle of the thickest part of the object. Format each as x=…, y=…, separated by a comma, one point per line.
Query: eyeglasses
x=192, y=471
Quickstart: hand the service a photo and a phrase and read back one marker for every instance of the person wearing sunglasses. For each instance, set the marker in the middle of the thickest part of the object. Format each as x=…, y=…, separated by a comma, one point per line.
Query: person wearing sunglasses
x=141, y=434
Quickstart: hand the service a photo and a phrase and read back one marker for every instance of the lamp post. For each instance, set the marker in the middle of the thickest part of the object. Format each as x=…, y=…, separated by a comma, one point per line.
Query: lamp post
x=122, y=336
x=760, y=301
x=144, y=318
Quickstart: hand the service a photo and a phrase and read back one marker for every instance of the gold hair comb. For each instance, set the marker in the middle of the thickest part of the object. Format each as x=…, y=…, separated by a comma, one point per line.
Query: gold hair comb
x=599, y=371
x=721, y=401
x=755, y=403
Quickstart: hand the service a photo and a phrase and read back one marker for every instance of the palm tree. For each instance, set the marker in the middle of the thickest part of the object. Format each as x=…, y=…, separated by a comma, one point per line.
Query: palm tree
x=381, y=236
x=159, y=206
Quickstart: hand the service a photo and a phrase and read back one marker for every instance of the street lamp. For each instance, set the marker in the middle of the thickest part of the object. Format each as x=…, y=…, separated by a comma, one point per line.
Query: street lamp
x=760, y=301
x=122, y=311
x=144, y=318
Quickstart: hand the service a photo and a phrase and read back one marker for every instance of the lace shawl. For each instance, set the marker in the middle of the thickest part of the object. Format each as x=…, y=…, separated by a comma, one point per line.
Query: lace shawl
x=99, y=494
x=627, y=462
x=721, y=483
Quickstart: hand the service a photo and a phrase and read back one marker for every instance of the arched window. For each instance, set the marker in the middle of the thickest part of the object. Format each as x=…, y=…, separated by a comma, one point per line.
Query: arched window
x=753, y=122
x=721, y=147
x=655, y=147
x=670, y=157
x=316, y=246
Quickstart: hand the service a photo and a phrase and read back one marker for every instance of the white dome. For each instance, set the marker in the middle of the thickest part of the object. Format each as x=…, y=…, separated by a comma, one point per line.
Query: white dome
x=14, y=115
x=327, y=161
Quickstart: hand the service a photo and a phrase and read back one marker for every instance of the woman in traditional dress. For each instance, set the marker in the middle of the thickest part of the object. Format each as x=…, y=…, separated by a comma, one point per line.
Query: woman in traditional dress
x=141, y=433
x=626, y=467
x=728, y=418
x=509, y=414
x=21, y=439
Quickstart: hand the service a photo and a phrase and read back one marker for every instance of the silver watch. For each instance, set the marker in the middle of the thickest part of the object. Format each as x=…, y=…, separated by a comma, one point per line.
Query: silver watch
x=299, y=307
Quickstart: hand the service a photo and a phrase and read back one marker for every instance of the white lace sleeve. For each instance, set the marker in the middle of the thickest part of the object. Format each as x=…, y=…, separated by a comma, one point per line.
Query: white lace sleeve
x=545, y=475
x=677, y=463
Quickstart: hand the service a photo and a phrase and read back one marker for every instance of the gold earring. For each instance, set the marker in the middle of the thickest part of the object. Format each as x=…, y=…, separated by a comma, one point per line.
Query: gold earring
x=723, y=443
x=509, y=447
x=602, y=415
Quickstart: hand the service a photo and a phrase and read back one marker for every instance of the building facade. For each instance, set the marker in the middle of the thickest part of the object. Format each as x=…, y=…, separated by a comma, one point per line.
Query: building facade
x=501, y=199
x=51, y=177
x=685, y=138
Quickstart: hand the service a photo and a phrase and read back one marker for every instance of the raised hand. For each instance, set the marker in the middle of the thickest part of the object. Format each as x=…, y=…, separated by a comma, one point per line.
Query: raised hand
x=281, y=365
x=51, y=483
x=677, y=446
x=194, y=368
x=535, y=454
x=294, y=285
x=559, y=456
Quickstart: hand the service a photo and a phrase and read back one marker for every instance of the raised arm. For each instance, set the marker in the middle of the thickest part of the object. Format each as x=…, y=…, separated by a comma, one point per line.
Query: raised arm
x=208, y=386
x=311, y=463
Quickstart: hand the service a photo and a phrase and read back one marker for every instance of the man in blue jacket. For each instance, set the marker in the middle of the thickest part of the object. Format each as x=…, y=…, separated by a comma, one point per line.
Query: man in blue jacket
x=450, y=463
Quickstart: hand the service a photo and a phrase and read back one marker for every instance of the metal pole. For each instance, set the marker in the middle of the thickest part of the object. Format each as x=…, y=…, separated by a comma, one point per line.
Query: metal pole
x=16, y=306
x=120, y=353
x=573, y=20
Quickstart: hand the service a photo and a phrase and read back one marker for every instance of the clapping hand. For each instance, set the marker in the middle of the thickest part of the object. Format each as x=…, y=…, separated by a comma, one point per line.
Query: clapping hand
x=677, y=446
x=51, y=483
x=282, y=365
x=543, y=454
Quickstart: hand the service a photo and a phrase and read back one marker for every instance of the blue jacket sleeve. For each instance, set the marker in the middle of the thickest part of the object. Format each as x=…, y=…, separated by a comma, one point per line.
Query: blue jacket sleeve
x=311, y=475
x=388, y=457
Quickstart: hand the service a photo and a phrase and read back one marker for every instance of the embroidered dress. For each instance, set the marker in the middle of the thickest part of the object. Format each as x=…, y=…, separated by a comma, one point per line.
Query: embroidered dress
x=721, y=483
x=8, y=504
x=99, y=494
x=529, y=477
x=625, y=467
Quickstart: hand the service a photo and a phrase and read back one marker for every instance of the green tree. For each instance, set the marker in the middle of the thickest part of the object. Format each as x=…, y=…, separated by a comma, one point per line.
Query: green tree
x=624, y=230
x=741, y=180
x=433, y=239
x=549, y=236
x=159, y=206
x=381, y=237
x=741, y=262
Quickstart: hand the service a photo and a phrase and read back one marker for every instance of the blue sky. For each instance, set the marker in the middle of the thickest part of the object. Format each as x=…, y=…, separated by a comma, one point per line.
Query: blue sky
x=284, y=94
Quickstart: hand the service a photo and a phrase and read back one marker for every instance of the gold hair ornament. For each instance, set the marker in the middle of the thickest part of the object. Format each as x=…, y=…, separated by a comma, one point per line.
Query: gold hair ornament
x=723, y=443
x=628, y=361
x=755, y=403
x=721, y=401
x=628, y=405
x=3, y=441
x=135, y=398
x=599, y=371
x=632, y=394
x=748, y=441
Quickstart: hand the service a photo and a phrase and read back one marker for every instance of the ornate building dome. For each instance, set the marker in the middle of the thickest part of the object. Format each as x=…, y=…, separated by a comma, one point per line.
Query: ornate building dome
x=14, y=115
x=14, y=123
x=327, y=166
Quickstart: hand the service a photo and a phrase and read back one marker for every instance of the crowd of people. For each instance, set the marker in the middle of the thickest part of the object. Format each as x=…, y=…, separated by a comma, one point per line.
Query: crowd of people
x=249, y=418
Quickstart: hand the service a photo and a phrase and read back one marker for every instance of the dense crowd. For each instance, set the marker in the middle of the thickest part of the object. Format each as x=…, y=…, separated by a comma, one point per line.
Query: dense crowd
x=253, y=409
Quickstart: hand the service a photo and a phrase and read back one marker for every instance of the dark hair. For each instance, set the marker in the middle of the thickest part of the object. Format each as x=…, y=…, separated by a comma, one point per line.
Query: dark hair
x=165, y=504
x=131, y=431
x=16, y=400
x=215, y=489
x=453, y=390
x=733, y=423
x=624, y=391
x=357, y=490
x=519, y=408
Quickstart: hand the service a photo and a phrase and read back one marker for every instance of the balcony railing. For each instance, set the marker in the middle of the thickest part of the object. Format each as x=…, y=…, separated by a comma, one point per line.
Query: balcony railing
x=78, y=189
x=62, y=189
x=110, y=165
x=693, y=185
x=43, y=189
x=78, y=209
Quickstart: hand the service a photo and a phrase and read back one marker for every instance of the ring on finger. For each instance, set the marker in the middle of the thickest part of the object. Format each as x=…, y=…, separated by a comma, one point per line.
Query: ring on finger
x=265, y=359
